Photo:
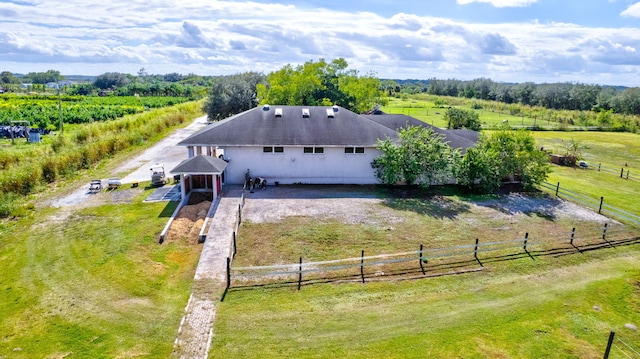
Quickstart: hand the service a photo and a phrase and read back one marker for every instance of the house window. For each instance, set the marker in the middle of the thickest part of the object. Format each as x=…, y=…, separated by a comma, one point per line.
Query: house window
x=273, y=149
x=313, y=150
x=354, y=150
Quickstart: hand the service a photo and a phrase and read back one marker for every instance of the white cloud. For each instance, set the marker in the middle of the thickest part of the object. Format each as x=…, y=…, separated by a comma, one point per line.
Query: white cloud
x=501, y=3
x=632, y=11
x=224, y=37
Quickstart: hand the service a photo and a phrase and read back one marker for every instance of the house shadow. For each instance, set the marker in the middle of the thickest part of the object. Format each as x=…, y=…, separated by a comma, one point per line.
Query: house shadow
x=528, y=203
x=434, y=202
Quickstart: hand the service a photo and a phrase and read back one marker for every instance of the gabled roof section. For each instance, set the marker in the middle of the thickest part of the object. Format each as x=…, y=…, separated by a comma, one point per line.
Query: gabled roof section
x=201, y=165
x=457, y=139
x=260, y=127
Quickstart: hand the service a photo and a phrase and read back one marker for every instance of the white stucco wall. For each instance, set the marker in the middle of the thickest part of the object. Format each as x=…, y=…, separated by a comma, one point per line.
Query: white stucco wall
x=293, y=166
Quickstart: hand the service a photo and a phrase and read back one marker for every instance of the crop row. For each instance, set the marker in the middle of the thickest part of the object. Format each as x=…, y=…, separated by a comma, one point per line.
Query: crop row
x=24, y=171
x=44, y=112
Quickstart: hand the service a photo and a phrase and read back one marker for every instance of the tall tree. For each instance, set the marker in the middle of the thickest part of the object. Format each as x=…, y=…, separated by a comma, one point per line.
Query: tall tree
x=110, y=80
x=321, y=83
x=233, y=94
x=462, y=118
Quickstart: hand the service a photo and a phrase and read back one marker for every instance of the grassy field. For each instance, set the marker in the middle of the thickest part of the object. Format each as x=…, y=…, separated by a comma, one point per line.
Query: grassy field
x=427, y=111
x=611, y=150
x=548, y=305
x=93, y=282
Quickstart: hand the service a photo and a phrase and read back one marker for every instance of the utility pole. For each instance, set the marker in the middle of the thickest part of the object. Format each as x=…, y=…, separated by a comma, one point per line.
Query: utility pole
x=60, y=108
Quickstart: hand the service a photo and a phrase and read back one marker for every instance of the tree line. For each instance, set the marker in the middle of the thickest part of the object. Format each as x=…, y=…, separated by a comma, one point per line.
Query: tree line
x=557, y=96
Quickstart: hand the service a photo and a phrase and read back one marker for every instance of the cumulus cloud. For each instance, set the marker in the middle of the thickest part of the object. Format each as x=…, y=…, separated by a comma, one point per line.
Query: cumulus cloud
x=500, y=3
x=218, y=37
x=632, y=11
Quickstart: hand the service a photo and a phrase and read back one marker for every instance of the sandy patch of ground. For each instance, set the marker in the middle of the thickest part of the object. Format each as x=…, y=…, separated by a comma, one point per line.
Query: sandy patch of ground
x=187, y=224
x=360, y=205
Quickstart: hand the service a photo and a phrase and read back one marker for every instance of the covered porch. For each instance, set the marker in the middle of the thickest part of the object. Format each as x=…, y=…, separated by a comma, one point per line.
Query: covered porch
x=201, y=173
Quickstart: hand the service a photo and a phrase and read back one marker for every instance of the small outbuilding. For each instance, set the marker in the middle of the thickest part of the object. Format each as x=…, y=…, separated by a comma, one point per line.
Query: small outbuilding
x=201, y=173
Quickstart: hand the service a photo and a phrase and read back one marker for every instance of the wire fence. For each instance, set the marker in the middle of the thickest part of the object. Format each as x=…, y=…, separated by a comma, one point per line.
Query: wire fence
x=623, y=172
x=621, y=346
x=433, y=260
x=600, y=205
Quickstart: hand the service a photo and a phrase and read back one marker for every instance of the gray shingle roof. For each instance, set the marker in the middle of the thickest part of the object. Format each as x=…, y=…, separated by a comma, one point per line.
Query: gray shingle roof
x=460, y=139
x=200, y=164
x=261, y=127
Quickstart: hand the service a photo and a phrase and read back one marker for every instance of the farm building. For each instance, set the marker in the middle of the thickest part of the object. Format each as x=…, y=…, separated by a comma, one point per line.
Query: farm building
x=305, y=144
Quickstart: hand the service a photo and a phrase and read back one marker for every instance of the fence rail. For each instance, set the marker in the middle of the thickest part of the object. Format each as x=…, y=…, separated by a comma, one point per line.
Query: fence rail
x=426, y=257
x=623, y=172
x=600, y=204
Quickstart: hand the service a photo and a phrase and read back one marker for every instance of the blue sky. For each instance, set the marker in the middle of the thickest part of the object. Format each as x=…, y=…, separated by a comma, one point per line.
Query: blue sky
x=588, y=41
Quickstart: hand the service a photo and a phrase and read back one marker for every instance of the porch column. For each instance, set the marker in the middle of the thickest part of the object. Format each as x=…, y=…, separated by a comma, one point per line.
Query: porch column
x=215, y=186
x=183, y=190
x=209, y=152
x=199, y=150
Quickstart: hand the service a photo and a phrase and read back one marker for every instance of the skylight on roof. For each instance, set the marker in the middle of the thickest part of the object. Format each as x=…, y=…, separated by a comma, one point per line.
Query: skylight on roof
x=330, y=113
x=305, y=113
x=278, y=112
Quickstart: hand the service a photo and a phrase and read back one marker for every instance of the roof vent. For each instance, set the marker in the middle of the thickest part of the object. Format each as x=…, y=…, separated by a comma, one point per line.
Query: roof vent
x=330, y=113
x=265, y=107
x=305, y=113
x=335, y=108
x=279, y=112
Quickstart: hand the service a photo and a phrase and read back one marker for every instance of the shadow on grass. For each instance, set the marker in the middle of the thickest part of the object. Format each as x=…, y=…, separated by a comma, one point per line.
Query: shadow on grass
x=433, y=202
x=167, y=211
x=429, y=270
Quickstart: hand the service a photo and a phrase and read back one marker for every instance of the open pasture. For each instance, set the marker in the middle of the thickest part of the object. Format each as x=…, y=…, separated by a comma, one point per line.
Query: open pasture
x=615, y=152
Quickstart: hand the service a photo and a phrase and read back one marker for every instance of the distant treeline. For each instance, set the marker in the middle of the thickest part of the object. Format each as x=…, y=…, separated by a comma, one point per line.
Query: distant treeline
x=558, y=96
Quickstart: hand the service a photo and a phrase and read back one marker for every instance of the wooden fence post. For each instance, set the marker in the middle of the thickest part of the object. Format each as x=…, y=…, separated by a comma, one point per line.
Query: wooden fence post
x=557, y=189
x=604, y=232
x=362, y=266
x=475, y=250
x=627, y=174
x=526, y=238
x=573, y=233
x=420, y=260
x=600, y=208
x=235, y=248
x=300, y=274
x=599, y=164
x=609, y=343
x=239, y=214
x=621, y=172
x=228, y=273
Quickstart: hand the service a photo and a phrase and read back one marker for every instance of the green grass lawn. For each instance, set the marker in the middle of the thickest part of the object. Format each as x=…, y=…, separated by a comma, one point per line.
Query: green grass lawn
x=609, y=149
x=560, y=307
x=427, y=111
x=93, y=283
x=554, y=304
